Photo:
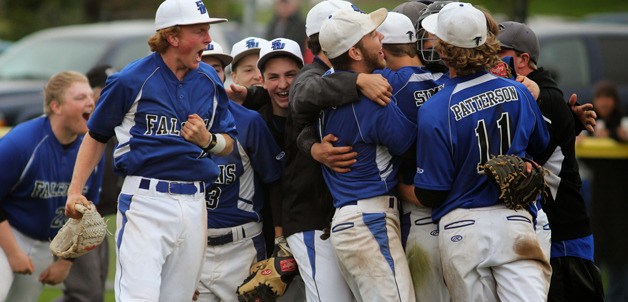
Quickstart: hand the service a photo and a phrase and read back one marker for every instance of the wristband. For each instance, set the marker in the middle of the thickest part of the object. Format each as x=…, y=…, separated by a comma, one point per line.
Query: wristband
x=219, y=145
x=211, y=144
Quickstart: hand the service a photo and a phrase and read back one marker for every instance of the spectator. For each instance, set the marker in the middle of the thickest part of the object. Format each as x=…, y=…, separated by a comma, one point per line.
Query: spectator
x=287, y=22
x=606, y=105
x=37, y=160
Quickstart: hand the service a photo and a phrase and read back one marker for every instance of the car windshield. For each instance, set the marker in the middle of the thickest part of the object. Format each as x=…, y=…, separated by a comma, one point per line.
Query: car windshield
x=46, y=57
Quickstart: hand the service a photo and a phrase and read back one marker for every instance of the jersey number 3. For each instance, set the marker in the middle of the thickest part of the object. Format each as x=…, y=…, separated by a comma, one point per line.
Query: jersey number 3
x=212, y=197
x=503, y=124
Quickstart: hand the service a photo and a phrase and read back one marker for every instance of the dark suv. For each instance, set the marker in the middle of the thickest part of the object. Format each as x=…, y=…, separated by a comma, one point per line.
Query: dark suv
x=28, y=64
x=581, y=54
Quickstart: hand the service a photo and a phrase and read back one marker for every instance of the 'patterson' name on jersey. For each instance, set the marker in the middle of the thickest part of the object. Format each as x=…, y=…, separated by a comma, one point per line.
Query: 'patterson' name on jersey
x=483, y=101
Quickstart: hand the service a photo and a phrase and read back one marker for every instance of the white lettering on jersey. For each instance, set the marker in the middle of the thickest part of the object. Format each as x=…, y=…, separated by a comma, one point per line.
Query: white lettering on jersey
x=483, y=101
x=227, y=174
x=46, y=189
x=161, y=125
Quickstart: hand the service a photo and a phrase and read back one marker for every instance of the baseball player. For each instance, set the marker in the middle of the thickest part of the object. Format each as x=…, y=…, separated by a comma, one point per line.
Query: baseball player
x=88, y=275
x=168, y=111
x=245, y=73
x=366, y=222
x=492, y=252
x=574, y=275
x=412, y=86
x=215, y=57
x=37, y=159
x=234, y=200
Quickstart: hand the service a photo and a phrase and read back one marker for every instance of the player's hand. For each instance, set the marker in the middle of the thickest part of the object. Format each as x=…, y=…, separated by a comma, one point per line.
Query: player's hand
x=72, y=201
x=195, y=131
x=532, y=86
x=339, y=159
x=20, y=263
x=56, y=272
x=375, y=87
x=237, y=93
x=584, y=112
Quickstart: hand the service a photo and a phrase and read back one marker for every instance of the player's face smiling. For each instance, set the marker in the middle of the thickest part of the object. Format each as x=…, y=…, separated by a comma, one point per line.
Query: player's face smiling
x=247, y=74
x=76, y=108
x=372, y=50
x=192, y=41
x=278, y=76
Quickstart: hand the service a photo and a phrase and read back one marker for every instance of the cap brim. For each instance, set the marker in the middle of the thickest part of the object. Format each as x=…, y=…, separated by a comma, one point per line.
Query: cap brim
x=430, y=24
x=378, y=17
x=245, y=53
x=224, y=58
x=276, y=53
x=217, y=20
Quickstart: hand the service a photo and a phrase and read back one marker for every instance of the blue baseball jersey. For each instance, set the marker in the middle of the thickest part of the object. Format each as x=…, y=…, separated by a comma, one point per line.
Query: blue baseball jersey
x=146, y=106
x=470, y=119
x=380, y=135
x=412, y=86
x=236, y=198
x=36, y=174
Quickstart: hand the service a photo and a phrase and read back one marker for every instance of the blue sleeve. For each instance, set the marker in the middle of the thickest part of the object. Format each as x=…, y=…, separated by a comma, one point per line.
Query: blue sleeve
x=115, y=101
x=12, y=162
x=223, y=119
x=435, y=169
x=539, y=139
x=387, y=126
x=266, y=156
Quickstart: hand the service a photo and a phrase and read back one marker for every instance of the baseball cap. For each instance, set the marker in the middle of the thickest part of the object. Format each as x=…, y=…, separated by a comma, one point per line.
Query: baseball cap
x=411, y=9
x=321, y=12
x=397, y=29
x=346, y=28
x=280, y=46
x=519, y=37
x=459, y=24
x=246, y=47
x=182, y=12
x=215, y=50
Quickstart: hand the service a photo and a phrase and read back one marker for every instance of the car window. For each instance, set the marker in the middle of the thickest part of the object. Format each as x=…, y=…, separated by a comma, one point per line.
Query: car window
x=567, y=59
x=130, y=50
x=613, y=58
x=43, y=59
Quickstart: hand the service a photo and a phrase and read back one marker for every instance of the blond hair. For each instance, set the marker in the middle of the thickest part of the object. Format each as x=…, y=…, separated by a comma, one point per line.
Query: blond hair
x=158, y=42
x=58, y=84
x=467, y=61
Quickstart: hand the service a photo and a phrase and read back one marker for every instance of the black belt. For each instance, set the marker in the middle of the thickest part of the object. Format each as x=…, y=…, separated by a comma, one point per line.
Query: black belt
x=224, y=239
x=172, y=187
x=391, y=203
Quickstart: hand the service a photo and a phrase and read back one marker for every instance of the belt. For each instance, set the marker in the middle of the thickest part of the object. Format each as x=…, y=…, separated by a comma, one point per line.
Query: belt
x=391, y=202
x=246, y=230
x=172, y=187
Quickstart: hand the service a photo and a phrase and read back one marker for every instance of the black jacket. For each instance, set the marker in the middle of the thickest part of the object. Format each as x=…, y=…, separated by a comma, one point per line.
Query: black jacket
x=565, y=208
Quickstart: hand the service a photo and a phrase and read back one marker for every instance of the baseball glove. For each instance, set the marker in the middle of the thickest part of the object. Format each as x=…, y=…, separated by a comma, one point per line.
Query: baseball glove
x=269, y=278
x=518, y=188
x=79, y=236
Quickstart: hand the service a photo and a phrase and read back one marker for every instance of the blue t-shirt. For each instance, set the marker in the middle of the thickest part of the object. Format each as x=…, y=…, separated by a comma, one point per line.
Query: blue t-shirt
x=470, y=119
x=36, y=174
x=146, y=105
x=235, y=198
x=380, y=135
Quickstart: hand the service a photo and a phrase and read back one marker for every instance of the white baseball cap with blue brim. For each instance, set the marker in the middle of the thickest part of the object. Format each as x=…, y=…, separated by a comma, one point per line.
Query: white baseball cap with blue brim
x=346, y=28
x=280, y=47
x=183, y=12
x=459, y=24
x=397, y=29
x=246, y=47
x=323, y=11
x=215, y=50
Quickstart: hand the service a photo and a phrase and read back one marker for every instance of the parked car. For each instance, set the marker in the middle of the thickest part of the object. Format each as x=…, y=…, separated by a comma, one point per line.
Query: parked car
x=31, y=61
x=581, y=54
